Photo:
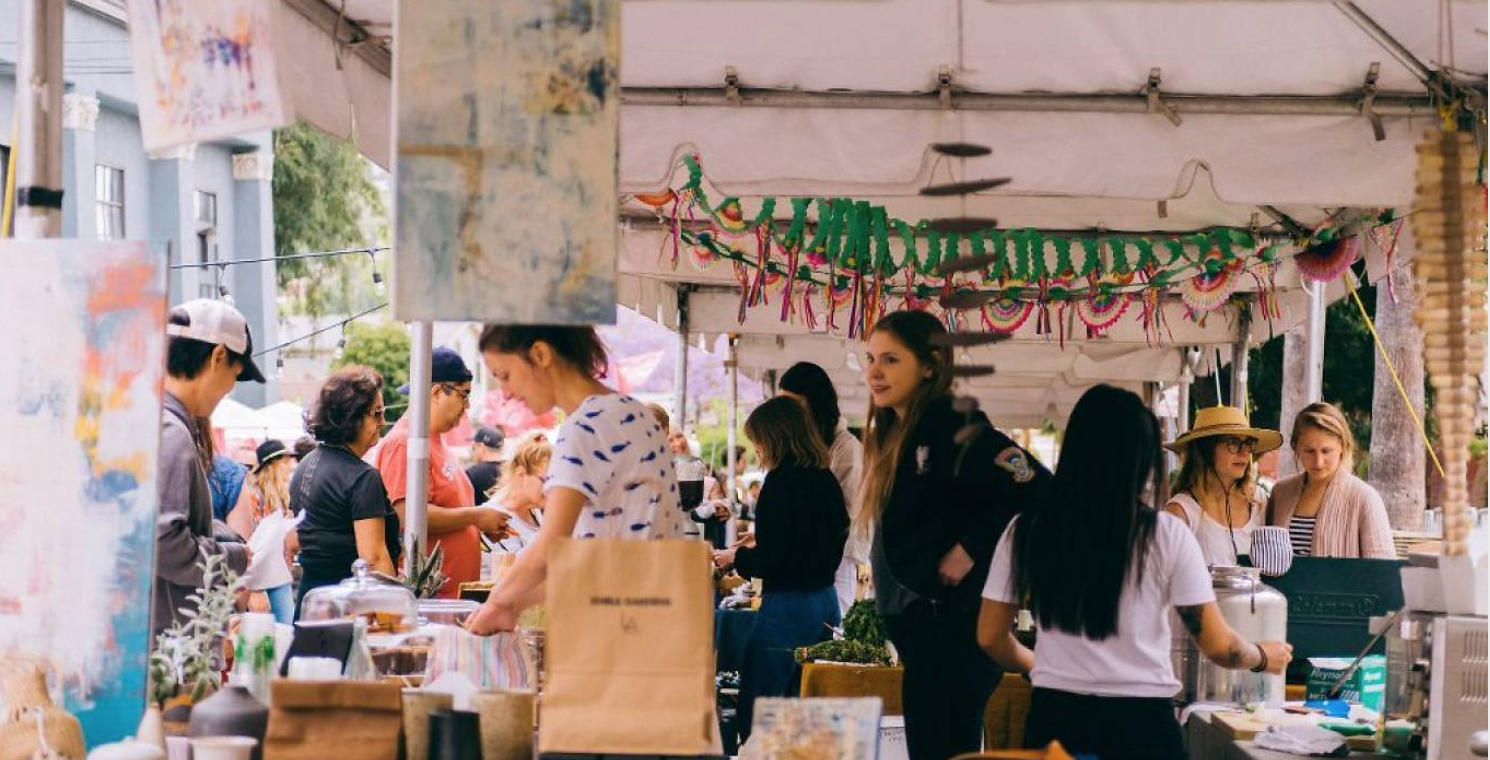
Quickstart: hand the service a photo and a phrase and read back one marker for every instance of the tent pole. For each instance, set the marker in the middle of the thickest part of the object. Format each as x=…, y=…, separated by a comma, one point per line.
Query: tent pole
x=38, y=99
x=1137, y=103
x=1239, y=355
x=680, y=374
x=1314, y=345
x=416, y=505
x=732, y=363
x=1389, y=43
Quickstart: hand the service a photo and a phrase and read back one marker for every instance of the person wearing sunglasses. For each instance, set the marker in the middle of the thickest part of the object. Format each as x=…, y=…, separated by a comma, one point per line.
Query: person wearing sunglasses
x=1216, y=493
x=454, y=520
x=347, y=513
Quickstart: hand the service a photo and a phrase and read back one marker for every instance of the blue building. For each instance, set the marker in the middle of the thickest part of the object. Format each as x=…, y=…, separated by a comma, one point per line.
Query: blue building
x=208, y=202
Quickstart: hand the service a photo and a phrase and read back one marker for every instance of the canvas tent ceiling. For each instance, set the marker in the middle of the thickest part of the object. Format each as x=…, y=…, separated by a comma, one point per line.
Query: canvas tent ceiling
x=840, y=98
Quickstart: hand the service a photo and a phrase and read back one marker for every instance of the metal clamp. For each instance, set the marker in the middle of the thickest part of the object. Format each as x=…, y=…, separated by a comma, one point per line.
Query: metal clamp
x=732, y=86
x=944, y=87
x=1368, y=102
x=38, y=197
x=1156, y=104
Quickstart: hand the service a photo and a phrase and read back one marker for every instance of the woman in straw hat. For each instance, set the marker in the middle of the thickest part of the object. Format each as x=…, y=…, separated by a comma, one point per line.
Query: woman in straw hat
x=1216, y=493
x=1329, y=512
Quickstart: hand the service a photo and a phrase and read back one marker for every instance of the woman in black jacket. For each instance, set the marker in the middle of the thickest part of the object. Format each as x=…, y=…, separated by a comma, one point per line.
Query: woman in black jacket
x=940, y=486
x=800, y=529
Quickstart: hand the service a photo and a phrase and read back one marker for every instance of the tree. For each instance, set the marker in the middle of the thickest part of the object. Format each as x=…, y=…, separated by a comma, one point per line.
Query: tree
x=385, y=348
x=324, y=199
x=1398, y=457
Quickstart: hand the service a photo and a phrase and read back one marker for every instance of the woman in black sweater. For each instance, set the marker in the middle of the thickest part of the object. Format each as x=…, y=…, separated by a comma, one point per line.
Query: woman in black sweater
x=940, y=485
x=800, y=529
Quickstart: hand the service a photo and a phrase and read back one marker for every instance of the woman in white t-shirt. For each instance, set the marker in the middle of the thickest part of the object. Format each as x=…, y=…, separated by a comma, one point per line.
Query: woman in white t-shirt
x=1101, y=568
x=520, y=493
x=610, y=475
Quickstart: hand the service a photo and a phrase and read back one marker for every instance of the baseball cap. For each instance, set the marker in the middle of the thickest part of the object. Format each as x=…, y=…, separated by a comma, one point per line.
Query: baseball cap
x=216, y=322
x=445, y=366
x=489, y=437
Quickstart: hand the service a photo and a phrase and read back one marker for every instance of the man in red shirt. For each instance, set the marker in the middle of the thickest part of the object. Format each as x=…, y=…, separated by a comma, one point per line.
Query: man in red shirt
x=455, y=522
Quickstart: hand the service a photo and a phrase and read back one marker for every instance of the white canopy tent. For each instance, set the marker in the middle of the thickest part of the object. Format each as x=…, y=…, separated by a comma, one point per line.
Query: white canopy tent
x=1115, y=115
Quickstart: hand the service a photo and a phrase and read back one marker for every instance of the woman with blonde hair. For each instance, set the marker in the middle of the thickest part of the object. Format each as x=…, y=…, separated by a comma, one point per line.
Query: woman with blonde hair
x=800, y=530
x=266, y=491
x=940, y=485
x=520, y=490
x=1329, y=512
x=1216, y=493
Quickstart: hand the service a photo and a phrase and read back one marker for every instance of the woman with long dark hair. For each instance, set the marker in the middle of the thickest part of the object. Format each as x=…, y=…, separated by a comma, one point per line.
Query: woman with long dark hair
x=1100, y=567
x=609, y=475
x=798, y=542
x=940, y=485
x=811, y=385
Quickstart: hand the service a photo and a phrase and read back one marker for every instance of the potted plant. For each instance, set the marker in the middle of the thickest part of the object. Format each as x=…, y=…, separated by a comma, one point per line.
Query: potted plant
x=186, y=660
x=426, y=576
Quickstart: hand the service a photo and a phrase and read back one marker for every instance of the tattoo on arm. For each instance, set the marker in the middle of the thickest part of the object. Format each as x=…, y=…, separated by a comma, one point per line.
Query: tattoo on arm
x=1191, y=615
x=1236, y=656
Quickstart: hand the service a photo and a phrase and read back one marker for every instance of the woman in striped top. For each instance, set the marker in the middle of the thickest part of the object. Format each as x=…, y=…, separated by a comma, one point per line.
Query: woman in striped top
x=1329, y=512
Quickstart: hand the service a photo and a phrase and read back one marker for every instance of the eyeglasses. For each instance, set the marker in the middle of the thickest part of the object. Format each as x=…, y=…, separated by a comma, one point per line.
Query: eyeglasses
x=465, y=395
x=1235, y=445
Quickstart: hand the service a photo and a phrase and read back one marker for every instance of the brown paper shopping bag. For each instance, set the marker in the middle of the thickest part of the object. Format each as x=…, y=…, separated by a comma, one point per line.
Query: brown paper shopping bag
x=315, y=720
x=629, y=656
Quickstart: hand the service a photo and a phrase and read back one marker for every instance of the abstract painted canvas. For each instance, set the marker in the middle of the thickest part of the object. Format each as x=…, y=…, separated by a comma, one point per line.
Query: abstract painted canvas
x=815, y=729
x=80, y=395
x=204, y=71
x=506, y=167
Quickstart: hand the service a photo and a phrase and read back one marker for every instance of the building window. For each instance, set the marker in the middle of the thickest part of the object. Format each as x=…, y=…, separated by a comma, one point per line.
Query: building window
x=204, y=208
x=108, y=193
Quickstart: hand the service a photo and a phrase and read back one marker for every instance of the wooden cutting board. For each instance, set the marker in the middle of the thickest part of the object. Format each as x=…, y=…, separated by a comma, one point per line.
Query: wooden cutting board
x=1245, y=727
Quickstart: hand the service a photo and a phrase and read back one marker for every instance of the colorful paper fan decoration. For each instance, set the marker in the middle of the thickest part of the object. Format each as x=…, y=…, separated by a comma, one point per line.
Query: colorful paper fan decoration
x=842, y=295
x=1007, y=314
x=1206, y=292
x=703, y=257
x=1102, y=311
x=775, y=282
x=1326, y=261
x=730, y=217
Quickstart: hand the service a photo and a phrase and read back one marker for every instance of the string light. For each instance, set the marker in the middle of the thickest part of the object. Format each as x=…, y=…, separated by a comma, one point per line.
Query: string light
x=341, y=343
x=342, y=324
x=378, y=285
x=279, y=367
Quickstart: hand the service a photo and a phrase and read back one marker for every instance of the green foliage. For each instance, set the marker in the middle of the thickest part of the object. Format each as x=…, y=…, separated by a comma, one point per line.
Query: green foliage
x=426, y=577
x=385, y=348
x=185, y=656
x=863, y=623
x=713, y=437
x=324, y=199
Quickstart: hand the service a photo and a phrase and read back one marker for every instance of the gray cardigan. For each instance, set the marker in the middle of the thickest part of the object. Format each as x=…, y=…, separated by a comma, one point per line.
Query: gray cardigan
x=184, y=525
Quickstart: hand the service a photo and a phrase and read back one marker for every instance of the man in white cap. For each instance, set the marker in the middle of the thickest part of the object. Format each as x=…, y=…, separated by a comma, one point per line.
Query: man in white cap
x=209, y=350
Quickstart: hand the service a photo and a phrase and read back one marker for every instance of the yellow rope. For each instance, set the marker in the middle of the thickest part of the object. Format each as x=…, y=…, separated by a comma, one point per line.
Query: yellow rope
x=1401, y=391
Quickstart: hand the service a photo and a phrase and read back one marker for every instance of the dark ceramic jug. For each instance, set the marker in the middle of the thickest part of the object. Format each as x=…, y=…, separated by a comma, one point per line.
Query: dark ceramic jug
x=232, y=711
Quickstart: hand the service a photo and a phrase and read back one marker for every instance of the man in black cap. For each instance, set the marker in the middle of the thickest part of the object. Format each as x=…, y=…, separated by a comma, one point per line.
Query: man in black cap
x=486, y=449
x=208, y=351
x=454, y=520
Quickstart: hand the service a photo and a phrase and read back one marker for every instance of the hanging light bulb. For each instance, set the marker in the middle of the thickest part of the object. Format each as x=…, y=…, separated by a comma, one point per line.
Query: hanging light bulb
x=378, y=285
x=279, y=367
x=341, y=343
x=225, y=295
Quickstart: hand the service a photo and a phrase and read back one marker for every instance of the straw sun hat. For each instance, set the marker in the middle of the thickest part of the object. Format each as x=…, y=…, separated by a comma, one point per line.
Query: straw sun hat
x=1226, y=420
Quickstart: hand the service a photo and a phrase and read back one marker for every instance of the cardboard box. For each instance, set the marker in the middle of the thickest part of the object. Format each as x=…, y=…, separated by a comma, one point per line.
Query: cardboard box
x=1366, y=686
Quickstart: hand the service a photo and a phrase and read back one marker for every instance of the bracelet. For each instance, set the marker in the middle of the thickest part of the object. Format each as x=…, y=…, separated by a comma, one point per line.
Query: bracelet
x=1261, y=666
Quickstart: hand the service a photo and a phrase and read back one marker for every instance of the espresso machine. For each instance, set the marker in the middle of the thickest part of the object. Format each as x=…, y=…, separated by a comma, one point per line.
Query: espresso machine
x=1437, y=652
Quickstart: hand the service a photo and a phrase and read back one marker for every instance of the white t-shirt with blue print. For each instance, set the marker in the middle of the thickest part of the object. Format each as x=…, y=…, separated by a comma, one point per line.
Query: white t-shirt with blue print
x=612, y=452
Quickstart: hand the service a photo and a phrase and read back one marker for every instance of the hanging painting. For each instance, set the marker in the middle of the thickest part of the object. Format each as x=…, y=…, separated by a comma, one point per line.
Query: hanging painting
x=506, y=169
x=205, y=70
x=830, y=729
x=81, y=386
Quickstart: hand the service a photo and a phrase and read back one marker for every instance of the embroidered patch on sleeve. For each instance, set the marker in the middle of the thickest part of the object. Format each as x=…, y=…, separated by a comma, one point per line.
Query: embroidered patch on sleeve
x=1014, y=461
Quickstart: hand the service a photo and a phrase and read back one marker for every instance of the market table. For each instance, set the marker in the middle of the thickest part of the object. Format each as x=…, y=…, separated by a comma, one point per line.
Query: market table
x=1003, y=720
x=1205, y=740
